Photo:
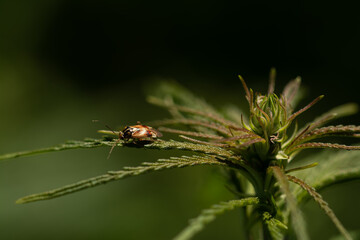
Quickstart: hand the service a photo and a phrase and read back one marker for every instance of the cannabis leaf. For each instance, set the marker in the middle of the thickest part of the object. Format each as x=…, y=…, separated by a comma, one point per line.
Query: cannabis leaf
x=146, y=167
x=332, y=168
x=209, y=215
x=254, y=151
x=323, y=204
x=296, y=215
x=87, y=143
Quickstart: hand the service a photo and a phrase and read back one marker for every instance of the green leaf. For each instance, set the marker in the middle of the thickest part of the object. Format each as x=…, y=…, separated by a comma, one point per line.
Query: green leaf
x=339, y=130
x=354, y=234
x=276, y=228
x=320, y=145
x=146, y=167
x=189, y=133
x=335, y=113
x=272, y=77
x=169, y=145
x=323, y=204
x=95, y=143
x=292, y=94
x=87, y=143
x=297, y=219
x=344, y=110
x=174, y=93
x=203, y=125
x=294, y=115
x=183, y=105
x=197, y=112
x=209, y=215
x=333, y=167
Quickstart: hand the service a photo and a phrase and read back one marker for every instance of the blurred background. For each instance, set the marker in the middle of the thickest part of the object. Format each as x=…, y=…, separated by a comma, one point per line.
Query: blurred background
x=65, y=63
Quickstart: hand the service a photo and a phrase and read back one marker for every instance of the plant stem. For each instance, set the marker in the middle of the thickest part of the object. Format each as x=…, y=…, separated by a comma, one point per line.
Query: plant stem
x=243, y=217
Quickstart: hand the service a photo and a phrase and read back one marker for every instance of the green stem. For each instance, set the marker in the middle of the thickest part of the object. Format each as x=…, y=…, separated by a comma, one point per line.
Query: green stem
x=243, y=217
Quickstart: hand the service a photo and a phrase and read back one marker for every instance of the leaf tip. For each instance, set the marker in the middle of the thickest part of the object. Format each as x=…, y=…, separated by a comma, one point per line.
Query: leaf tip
x=245, y=87
x=20, y=201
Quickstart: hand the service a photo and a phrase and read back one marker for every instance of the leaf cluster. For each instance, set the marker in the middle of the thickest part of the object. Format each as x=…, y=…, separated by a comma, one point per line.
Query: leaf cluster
x=255, y=151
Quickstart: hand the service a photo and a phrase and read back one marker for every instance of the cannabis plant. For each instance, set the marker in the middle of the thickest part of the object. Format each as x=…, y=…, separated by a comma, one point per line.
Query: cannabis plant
x=255, y=150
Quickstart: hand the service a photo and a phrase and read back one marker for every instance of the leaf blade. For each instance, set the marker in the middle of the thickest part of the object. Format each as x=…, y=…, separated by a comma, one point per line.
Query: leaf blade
x=208, y=215
x=161, y=164
x=296, y=216
x=95, y=143
x=87, y=143
x=323, y=204
x=333, y=167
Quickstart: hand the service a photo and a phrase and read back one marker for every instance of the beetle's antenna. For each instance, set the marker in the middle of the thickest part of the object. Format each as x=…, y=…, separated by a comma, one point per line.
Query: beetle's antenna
x=110, y=129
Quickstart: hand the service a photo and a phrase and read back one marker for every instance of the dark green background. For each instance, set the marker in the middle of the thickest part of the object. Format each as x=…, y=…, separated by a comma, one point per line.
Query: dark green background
x=65, y=63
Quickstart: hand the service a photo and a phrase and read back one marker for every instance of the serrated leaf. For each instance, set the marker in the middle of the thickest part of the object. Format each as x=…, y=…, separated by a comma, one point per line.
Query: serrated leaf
x=190, y=147
x=209, y=215
x=189, y=133
x=95, y=143
x=323, y=204
x=87, y=143
x=182, y=104
x=335, y=113
x=201, y=125
x=312, y=103
x=339, y=130
x=190, y=110
x=181, y=96
x=297, y=219
x=146, y=167
x=320, y=145
x=333, y=167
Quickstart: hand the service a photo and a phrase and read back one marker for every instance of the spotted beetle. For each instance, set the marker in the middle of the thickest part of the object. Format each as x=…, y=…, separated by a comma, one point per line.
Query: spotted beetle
x=139, y=134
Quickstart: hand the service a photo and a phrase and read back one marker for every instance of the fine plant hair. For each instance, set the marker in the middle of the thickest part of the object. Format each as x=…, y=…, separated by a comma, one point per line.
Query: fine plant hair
x=255, y=149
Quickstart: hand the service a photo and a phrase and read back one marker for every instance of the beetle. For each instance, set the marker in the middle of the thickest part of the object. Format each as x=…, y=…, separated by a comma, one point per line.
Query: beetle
x=139, y=134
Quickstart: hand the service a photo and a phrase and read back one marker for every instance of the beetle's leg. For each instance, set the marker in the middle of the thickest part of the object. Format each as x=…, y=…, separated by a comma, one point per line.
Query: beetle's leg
x=112, y=148
x=121, y=135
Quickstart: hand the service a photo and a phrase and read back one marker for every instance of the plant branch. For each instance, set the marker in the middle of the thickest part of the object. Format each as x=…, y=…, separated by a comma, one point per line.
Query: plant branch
x=87, y=143
x=146, y=167
x=95, y=143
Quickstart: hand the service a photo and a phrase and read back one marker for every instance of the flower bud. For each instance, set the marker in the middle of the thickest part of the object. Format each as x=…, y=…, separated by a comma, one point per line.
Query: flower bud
x=267, y=115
